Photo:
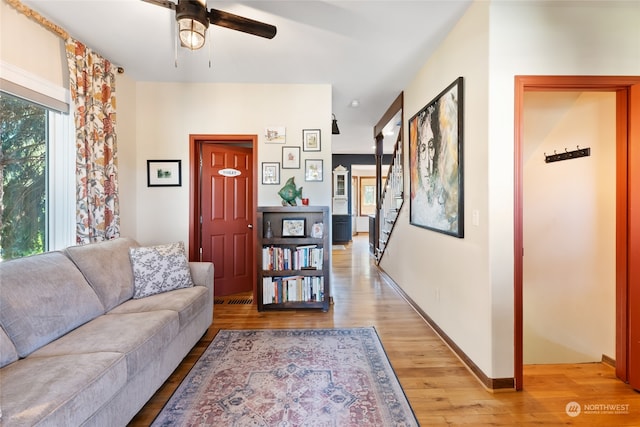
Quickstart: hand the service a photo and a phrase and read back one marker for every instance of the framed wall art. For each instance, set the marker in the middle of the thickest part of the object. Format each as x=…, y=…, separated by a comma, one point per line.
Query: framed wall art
x=435, y=163
x=164, y=173
x=275, y=134
x=290, y=157
x=311, y=139
x=270, y=173
x=313, y=170
x=293, y=227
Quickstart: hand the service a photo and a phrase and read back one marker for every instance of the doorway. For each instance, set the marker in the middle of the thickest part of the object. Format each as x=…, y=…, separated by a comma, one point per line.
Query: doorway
x=569, y=222
x=627, y=263
x=223, y=209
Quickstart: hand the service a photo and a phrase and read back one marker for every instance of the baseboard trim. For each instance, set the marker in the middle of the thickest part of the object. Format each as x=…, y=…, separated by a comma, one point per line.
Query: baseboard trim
x=608, y=360
x=491, y=384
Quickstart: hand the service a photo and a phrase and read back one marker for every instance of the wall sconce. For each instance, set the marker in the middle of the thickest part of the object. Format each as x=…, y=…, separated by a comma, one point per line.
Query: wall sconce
x=334, y=126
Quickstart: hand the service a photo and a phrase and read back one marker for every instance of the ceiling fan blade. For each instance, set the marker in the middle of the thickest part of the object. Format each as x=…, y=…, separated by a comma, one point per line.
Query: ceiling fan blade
x=164, y=3
x=240, y=23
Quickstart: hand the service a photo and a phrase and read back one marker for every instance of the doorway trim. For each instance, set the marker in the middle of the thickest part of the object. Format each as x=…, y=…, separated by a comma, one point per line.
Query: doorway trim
x=621, y=86
x=195, y=178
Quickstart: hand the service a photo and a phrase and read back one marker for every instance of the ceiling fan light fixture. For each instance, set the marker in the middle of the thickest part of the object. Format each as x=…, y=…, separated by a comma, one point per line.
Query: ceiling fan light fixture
x=192, y=24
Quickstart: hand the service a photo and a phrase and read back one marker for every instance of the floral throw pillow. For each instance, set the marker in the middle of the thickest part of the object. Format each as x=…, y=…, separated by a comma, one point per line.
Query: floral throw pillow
x=158, y=269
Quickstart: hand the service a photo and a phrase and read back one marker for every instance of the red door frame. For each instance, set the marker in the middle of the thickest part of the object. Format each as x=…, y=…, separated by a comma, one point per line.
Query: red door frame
x=195, y=140
x=626, y=238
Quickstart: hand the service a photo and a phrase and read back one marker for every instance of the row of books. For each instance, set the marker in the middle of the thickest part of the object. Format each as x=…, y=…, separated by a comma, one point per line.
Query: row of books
x=286, y=258
x=277, y=290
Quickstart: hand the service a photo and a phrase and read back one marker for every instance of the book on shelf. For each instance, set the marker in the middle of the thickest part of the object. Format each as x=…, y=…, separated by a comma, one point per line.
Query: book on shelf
x=304, y=257
x=278, y=290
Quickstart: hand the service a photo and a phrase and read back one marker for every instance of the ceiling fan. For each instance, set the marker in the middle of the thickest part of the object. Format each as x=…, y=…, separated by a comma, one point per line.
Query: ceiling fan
x=193, y=20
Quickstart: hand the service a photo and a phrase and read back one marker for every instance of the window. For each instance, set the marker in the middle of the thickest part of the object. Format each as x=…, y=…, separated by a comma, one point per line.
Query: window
x=36, y=176
x=23, y=168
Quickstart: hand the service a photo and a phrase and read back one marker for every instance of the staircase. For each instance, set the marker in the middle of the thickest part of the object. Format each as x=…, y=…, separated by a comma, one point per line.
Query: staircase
x=391, y=199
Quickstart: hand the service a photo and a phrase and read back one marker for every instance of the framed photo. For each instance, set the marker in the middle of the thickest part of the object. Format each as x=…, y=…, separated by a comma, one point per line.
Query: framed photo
x=293, y=227
x=317, y=230
x=435, y=163
x=270, y=173
x=164, y=173
x=311, y=139
x=313, y=170
x=275, y=134
x=290, y=157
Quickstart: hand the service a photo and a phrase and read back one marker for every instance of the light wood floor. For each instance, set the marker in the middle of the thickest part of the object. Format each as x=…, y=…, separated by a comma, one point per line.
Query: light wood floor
x=440, y=389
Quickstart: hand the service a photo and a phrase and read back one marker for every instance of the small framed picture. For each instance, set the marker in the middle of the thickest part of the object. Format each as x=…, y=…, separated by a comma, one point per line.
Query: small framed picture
x=311, y=139
x=270, y=173
x=164, y=173
x=275, y=134
x=313, y=170
x=290, y=157
x=317, y=230
x=293, y=227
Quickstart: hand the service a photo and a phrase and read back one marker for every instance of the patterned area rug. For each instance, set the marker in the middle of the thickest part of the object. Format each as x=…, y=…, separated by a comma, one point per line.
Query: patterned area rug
x=291, y=377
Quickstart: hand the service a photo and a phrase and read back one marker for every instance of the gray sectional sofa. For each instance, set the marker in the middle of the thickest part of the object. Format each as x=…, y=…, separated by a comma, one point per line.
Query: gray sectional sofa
x=76, y=349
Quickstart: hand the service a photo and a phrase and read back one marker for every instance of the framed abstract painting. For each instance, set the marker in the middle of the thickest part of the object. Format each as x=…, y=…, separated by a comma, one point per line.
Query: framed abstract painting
x=435, y=163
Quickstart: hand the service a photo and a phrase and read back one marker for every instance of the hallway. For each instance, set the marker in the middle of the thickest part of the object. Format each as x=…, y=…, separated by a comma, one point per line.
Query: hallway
x=441, y=390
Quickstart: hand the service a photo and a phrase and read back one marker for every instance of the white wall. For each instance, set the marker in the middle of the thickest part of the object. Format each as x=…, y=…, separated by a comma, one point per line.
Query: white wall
x=167, y=113
x=466, y=285
x=569, y=222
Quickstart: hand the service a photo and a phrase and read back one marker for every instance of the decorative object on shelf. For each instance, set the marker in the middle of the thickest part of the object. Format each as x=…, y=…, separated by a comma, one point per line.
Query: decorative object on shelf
x=435, y=161
x=317, y=230
x=289, y=193
x=275, y=134
x=311, y=139
x=313, y=170
x=290, y=157
x=567, y=155
x=270, y=173
x=164, y=173
x=293, y=227
x=305, y=201
x=268, y=232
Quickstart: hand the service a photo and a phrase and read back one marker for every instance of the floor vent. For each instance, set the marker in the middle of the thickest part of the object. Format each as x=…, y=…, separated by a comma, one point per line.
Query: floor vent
x=241, y=301
x=218, y=301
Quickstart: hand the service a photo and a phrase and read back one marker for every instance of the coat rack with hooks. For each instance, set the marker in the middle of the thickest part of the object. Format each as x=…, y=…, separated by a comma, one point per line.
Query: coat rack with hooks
x=567, y=155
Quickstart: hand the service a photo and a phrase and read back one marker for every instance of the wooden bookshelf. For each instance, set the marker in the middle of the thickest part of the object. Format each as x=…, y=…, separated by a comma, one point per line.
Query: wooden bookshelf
x=293, y=263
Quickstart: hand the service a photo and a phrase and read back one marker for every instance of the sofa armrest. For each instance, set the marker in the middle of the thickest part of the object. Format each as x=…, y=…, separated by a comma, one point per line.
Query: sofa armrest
x=202, y=274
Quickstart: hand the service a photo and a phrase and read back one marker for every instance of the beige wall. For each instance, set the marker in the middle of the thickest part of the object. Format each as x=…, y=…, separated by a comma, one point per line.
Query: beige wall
x=30, y=47
x=167, y=113
x=569, y=222
x=446, y=276
x=466, y=285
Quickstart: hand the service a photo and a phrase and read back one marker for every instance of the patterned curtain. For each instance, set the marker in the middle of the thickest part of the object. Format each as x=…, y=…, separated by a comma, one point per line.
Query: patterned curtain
x=92, y=86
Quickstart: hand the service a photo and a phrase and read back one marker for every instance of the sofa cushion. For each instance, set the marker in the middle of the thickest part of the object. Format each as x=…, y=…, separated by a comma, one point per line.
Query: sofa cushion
x=60, y=391
x=43, y=297
x=107, y=268
x=188, y=302
x=158, y=269
x=141, y=336
x=8, y=353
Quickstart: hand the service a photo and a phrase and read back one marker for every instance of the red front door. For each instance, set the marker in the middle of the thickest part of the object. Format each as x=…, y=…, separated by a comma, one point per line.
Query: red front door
x=226, y=209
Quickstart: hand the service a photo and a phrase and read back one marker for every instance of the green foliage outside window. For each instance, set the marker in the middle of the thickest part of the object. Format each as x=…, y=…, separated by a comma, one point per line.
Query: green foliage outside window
x=23, y=172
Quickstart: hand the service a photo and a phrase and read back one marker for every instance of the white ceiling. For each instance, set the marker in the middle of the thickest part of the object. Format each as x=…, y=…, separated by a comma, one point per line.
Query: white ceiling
x=367, y=50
